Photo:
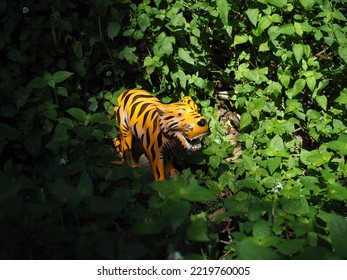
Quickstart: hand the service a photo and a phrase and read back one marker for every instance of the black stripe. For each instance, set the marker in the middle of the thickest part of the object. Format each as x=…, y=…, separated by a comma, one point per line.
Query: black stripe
x=133, y=108
x=157, y=171
x=135, y=130
x=143, y=108
x=124, y=94
x=145, y=118
x=169, y=118
x=153, y=153
x=147, y=139
x=160, y=138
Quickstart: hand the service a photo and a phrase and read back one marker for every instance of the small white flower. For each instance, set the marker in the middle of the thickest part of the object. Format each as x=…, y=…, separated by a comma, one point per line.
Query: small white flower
x=277, y=188
x=62, y=161
x=25, y=10
x=108, y=73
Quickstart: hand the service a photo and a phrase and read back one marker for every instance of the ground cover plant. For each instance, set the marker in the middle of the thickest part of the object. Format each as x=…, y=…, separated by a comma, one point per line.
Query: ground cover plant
x=271, y=79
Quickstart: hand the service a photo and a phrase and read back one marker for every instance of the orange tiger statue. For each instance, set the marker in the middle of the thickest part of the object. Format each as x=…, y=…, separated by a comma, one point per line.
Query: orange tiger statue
x=148, y=126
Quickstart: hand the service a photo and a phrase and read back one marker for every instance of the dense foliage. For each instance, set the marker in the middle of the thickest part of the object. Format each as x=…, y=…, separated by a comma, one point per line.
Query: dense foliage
x=279, y=64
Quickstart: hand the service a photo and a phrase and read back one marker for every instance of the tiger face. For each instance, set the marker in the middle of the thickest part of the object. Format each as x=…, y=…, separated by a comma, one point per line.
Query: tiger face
x=182, y=121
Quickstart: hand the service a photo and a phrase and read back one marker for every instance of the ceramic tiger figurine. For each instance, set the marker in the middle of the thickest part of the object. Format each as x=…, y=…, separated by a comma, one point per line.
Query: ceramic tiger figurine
x=148, y=126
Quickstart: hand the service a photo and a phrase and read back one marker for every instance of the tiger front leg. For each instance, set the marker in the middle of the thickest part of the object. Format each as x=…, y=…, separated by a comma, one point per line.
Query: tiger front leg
x=170, y=170
x=157, y=164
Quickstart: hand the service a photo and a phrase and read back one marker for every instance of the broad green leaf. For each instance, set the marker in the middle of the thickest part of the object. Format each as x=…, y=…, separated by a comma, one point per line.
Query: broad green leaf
x=339, y=145
x=278, y=3
x=342, y=99
x=128, y=53
x=337, y=192
x=185, y=56
x=338, y=232
x=85, y=185
x=314, y=157
x=197, y=231
x=249, y=163
x=287, y=29
x=223, y=9
x=291, y=246
x=273, y=164
x=276, y=144
x=164, y=45
x=61, y=76
x=143, y=21
x=298, y=50
x=252, y=15
x=313, y=114
x=77, y=113
x=261, y=230
x=343, y=53
x=248, y=249
x=64, y=192
x=240, y=39
x=245, y=120
x=311, y=83
x=113, y=29
x=322, y=101
x=214, y=161
x=307, y=4
x=263, y=23
x=295, y=206
x=176, y=213
x=38, y=82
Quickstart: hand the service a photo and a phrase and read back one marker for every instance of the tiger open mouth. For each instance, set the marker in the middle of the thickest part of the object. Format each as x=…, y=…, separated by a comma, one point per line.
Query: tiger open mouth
x=193, y=144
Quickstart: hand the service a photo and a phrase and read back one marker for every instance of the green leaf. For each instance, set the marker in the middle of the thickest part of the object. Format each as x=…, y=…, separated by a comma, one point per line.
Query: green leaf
x=261, y=230
x=185, y=56
x=128, y=53
x=223, y=9
x=240, y=39
x=164, y=45
x=113, y=29
x=343, y=53
x=299, y=86
x=339, y=145
x=276, y=144
x=38, y=82
x=322, y=101
x=278, y=3
x=197, y=231
x=249, y=163
x=342, y=99
x=338, y=232
x=298, y=50
x=61, y=76
x=307, y=4
x=214, y=161
x=295, y=206
x=245, y=120
x=263, y=23
x=64, y=192
x=176, y=213
x=314, y=157
x=85, y=186
x=337, y=192
x=143, y=21
x=291, y=246
x=252, y=15
x=77, y=113
x=273, y=164
x=248, y=249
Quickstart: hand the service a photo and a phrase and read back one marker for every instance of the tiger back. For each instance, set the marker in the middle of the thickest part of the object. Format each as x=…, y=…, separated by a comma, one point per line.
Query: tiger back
x=148, y=126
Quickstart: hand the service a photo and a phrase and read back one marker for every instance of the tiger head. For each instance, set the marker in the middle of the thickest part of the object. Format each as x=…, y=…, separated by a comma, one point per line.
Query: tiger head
x=182, y=121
